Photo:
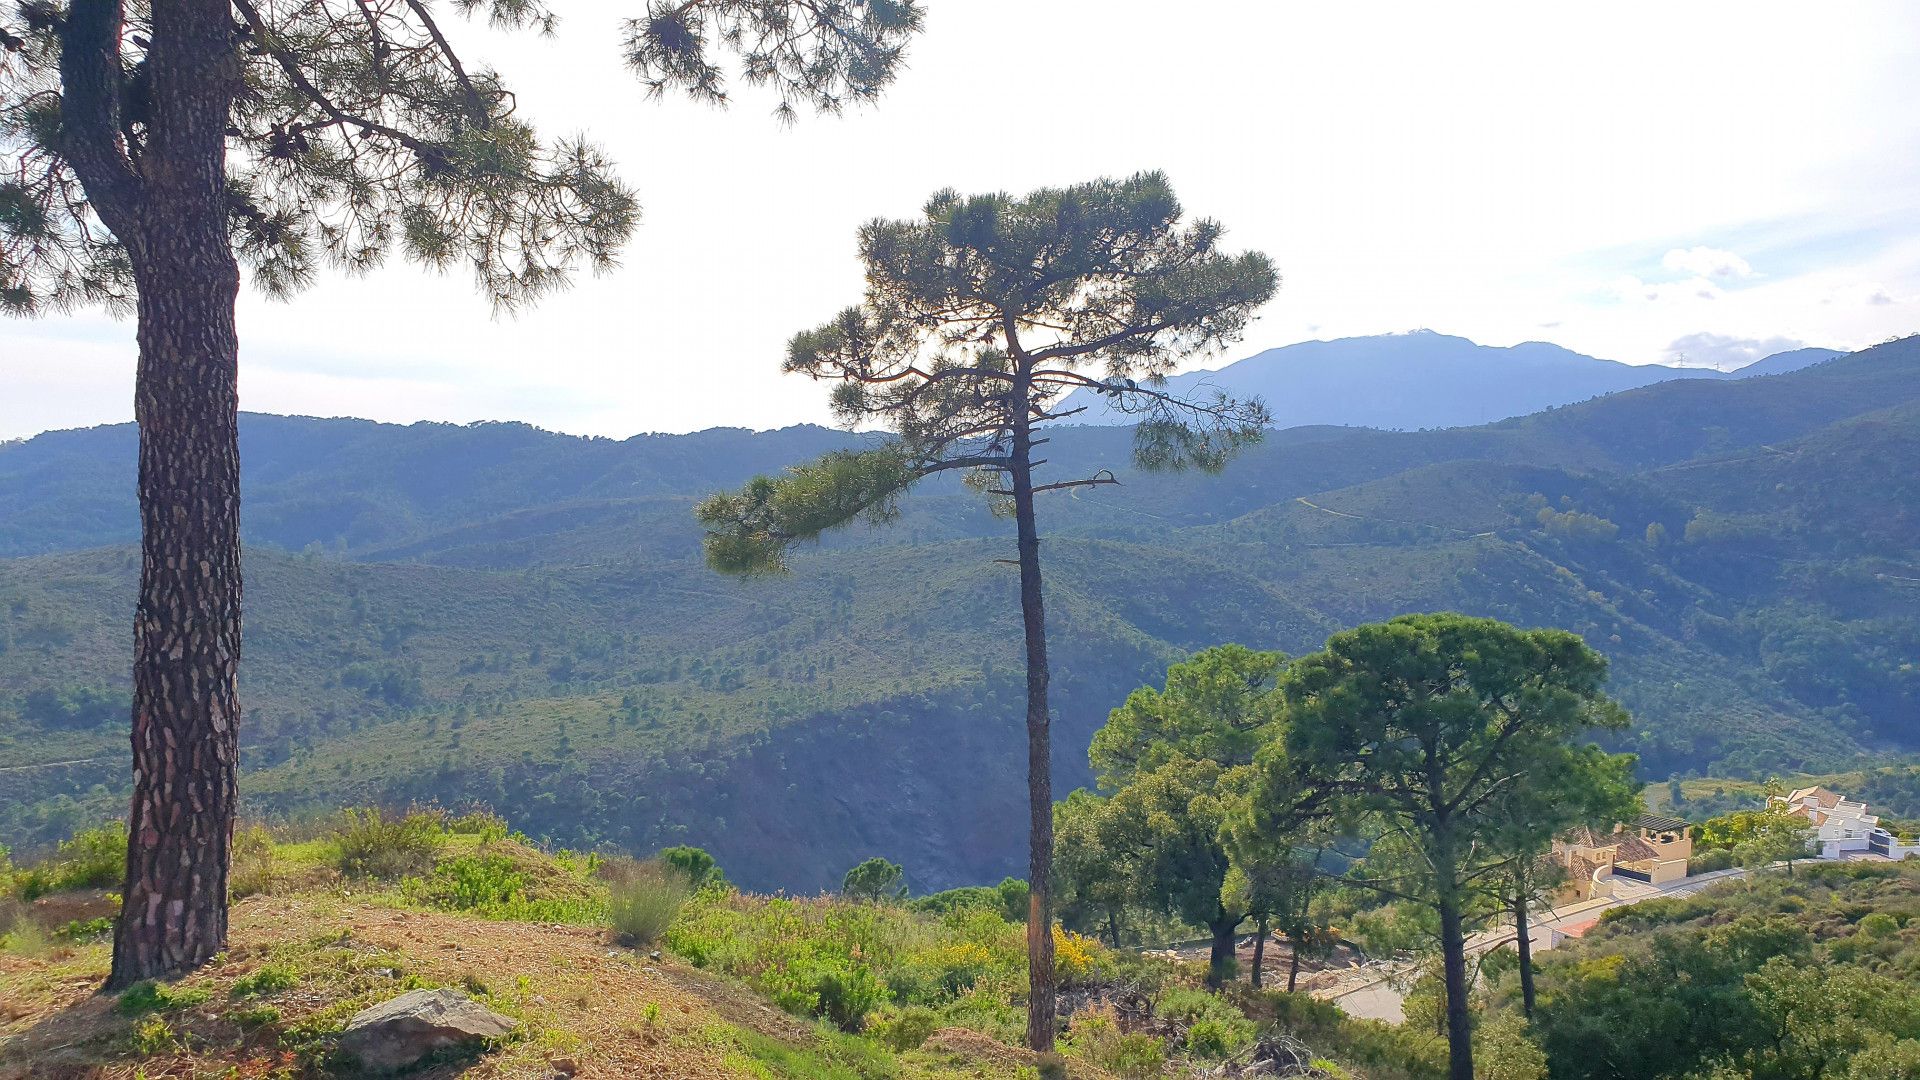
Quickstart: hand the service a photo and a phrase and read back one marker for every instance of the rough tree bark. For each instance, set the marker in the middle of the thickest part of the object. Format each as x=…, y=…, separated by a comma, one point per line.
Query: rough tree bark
x=1040, y=1009
x=1259, y=952
x=170, y=213
x=1220, y=955
x=1522, y=941
x=1453, y=947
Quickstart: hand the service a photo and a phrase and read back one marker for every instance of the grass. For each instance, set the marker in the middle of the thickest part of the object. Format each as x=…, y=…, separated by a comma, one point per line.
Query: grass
x=372, y=843
x=864, y=991
x=151, y=996
x=645, y=898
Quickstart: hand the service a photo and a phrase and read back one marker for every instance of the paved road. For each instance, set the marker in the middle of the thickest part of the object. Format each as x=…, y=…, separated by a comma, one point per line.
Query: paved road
x=1377, y=997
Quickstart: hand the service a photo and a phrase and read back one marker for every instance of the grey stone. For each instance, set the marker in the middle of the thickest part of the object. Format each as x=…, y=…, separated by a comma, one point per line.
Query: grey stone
x=400, y=1031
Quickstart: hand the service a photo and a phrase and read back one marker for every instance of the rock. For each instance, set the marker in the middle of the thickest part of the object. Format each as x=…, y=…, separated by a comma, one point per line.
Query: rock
x=565, y=1066
x=399, y=1032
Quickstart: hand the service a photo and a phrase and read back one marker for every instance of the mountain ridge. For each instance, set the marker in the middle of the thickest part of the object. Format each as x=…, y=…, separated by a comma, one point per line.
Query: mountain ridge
x=452, y=614
x=1425, y=379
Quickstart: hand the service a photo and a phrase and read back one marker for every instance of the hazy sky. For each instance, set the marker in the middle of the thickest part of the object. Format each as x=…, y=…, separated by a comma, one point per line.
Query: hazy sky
x=1643, y=182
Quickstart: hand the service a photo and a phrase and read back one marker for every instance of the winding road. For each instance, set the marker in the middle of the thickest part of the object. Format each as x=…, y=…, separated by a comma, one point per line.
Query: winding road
x=1379, y=993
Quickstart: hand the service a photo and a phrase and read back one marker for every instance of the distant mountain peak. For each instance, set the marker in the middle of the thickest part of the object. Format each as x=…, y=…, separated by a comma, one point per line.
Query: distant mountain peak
x=1424, y=378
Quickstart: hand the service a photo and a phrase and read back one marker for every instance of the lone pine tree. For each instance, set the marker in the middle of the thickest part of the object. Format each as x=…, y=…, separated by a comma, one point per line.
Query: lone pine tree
x=150, y=149
x=980, y=316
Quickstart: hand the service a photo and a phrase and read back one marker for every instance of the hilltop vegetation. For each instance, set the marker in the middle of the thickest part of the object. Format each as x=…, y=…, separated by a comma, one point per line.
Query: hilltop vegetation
x=500, y=614
x=750, y=986
x=1806, y=976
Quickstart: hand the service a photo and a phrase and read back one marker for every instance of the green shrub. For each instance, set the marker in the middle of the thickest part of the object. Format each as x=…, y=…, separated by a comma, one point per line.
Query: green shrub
x=1215, y=1039
x=1095, y=1038
x=367, y=843
x=699, y=866
x=1216, y=1028
x=81, y=930
x=270, y=979
x=150, y=996
x=153, y=1037
x=26, y=938
x=988, y=1013
x=1502, y=1051
x=1879, y=925
x=645, y=898
x=92, y=859
x=255, y=1016
x=951, y=900
x=1008, y=899
x=485, y=824
x=469, y=883
x=1710, y=860
x=907, y=1029
x=875, y=880
x=836, y=989
x=254, y=871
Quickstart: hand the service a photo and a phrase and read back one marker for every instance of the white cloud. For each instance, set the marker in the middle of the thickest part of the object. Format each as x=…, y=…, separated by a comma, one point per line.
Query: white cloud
x=1707, y=262
x=1724, y=352
x=1629, y=287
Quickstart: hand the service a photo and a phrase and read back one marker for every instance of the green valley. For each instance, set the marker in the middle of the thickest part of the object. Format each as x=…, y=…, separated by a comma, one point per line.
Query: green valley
x=501, y=615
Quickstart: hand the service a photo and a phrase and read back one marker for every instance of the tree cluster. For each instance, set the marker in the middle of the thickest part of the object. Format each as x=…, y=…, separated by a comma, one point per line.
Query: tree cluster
x=1451, y=749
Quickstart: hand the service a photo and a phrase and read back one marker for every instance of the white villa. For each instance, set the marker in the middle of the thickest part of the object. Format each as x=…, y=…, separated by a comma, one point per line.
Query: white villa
x=1839, y=825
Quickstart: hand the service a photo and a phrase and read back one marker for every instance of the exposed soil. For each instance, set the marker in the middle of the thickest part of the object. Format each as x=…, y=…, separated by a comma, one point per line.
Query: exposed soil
x=592, y=1009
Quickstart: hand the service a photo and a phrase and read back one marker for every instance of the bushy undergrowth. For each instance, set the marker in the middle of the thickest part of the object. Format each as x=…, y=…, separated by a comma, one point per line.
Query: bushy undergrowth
x=1096, y=1038
x=148, y=997
x=387, y=846
x=92, y=859
x=888, y=974
x=509, y=878
x=644, y=898
x=1216, y=1028
x=842, y=961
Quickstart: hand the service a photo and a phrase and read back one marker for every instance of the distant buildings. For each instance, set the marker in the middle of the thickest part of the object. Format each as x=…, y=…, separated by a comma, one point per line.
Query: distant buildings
x=1653, y=850
x=1841, y=826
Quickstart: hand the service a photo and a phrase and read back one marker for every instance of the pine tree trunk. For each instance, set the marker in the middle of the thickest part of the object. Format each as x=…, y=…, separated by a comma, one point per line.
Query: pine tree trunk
x=1523, y=943
x=187, y=620
x=1220, y=957
x=1453, y=946
x=1259, y=952
x=1040, y=994
x=1293, y=964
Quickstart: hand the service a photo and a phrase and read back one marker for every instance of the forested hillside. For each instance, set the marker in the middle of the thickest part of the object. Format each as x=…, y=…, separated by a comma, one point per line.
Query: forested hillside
x=497, y=613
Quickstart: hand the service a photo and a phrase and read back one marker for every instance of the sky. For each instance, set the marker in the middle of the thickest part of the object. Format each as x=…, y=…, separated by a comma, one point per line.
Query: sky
x=1701, y=183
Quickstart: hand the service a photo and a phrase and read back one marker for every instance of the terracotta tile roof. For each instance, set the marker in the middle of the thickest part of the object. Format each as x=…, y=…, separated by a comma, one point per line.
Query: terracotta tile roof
x=1628, y=847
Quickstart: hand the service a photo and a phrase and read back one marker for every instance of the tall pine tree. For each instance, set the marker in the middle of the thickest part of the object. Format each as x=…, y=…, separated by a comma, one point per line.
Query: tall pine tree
x=980, y=317
x=151, y=149
x=1446, y=730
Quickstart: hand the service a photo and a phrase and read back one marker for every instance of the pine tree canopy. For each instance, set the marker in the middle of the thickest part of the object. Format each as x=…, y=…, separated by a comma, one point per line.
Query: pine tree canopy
x=1450, y=727
x=357, y=130
x=980, y=316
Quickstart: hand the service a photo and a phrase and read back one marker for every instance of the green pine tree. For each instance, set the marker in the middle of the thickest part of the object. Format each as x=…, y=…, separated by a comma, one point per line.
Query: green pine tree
x=152, y=149
x=980, y=317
